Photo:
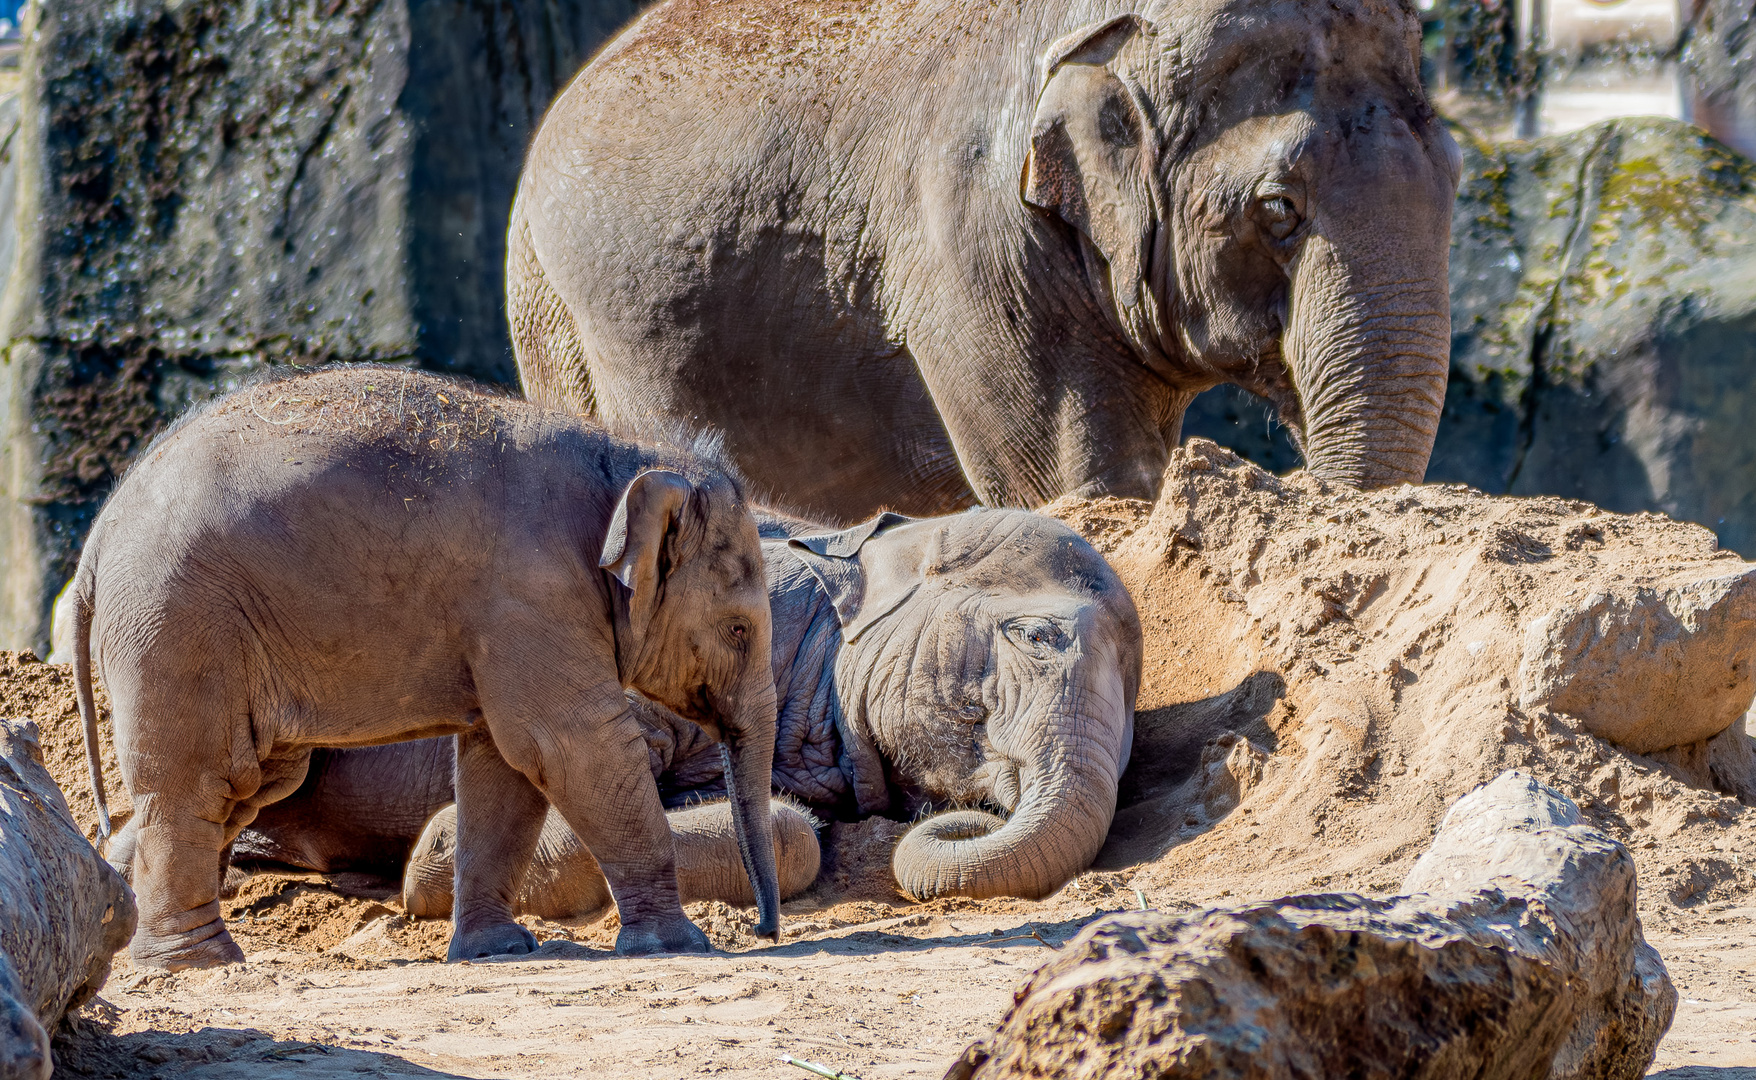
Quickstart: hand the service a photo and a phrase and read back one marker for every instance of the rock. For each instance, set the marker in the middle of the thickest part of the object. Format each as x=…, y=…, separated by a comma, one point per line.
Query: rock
x=1515, y=951
x=63, y=911
x=1603, y=318
x=1637, y=667
x=208, y=187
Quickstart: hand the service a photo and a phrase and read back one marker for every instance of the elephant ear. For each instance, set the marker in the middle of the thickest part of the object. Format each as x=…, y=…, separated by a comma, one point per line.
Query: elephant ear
x=638, y=546
x=1093, y=147
x=865, y=580
x=868, y=572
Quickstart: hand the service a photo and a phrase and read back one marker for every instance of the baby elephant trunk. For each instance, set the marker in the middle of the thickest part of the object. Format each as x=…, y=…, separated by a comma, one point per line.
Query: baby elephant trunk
x=748, y=753
x=1057, y=830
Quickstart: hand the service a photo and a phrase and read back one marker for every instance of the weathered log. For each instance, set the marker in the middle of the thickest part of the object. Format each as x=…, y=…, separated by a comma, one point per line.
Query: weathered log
x=1516, y=953
x=63, y=911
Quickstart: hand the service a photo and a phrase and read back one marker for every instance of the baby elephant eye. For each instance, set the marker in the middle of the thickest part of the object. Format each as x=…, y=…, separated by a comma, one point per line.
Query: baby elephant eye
x=972, y=712
x=1279, y=216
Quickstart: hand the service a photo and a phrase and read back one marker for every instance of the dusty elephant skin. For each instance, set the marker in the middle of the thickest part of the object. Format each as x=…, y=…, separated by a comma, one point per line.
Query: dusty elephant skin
x=1518, y=954
x=992, y=251
x=512, y=570
x=990, y=658
x=63, y=912
x=565, y=882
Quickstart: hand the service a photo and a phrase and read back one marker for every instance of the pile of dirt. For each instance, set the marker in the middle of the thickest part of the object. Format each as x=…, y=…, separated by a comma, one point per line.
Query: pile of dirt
x=1326, y=671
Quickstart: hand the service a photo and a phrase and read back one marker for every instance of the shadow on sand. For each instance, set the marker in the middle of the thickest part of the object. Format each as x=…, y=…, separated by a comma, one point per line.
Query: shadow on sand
x=88, y=1051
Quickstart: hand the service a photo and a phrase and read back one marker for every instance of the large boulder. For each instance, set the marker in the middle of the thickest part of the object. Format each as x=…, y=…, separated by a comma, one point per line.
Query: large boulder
x=202, y=187
x=1514, y=951
x=1603, y=307
x=63, y=911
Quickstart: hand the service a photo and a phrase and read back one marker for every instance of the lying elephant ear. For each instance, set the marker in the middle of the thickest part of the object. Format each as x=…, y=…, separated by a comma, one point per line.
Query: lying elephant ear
x=866, y=577
x=1093, y=148
x=637, y=548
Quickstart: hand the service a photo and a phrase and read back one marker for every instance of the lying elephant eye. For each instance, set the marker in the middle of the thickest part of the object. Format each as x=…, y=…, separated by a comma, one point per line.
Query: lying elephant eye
x=1279, y=216
x=1039, y=637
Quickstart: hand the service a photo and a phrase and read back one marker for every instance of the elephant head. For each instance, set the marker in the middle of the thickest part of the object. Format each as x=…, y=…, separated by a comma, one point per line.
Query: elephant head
x=991, y=658
x=1262, y=194
x=694, y=633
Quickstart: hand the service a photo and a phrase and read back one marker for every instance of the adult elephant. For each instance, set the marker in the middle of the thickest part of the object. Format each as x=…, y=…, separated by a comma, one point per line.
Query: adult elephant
x=920, y=254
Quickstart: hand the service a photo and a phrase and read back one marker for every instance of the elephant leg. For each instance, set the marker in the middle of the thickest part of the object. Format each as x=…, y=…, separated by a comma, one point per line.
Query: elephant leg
x=499, y=814
x=178, y=836
x=545, y=340
x=565, y=881
x=585, y=749
x=618, y=817
x=709, y=866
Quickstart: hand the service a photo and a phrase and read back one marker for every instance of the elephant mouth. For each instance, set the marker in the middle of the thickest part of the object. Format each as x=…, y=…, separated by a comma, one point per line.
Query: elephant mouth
x=1001, y=778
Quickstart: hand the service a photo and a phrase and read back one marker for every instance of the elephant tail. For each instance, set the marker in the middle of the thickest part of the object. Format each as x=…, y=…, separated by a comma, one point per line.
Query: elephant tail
x=546, y=342
x=84, y=597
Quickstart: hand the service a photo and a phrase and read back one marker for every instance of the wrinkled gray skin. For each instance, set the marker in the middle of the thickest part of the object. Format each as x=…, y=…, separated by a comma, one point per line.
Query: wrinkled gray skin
x=565, y=882
x=984, y=659
x=363, y=555
x=914, y=255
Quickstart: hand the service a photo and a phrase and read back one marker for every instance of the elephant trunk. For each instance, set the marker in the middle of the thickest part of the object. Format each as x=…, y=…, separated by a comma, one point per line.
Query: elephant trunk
x=1055, y=832
x=1370, y=365
x=748, y=759
x=1368, y=332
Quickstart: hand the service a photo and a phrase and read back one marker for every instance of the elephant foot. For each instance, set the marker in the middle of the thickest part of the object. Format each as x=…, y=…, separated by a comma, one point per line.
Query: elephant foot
x=501, y=939
x=676, y=936
x=204, y=947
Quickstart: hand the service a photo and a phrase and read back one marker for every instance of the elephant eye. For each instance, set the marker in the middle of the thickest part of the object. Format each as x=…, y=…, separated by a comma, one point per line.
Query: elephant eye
x=1279, y=216
x=972, y=712
x=739, y=633
x=1039, y=637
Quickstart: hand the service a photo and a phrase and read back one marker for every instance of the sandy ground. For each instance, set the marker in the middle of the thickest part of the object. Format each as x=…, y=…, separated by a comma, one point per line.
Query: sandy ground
x=892, y=996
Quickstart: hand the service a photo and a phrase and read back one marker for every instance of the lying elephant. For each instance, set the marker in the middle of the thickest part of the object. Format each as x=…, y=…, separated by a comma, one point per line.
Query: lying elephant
x=988, y=658
x=363, y=554
x=993, y=250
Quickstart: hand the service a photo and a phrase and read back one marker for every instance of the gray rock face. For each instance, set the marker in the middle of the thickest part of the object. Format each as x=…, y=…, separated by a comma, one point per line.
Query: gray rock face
x=63, y=911
x=1603, y=307
x=209, y=186
x=1516, y=952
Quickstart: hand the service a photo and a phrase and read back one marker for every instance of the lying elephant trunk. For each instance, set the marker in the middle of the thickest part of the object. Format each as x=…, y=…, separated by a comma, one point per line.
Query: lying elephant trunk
x=564, y=881
x=1049, y=840
x=1057, y=828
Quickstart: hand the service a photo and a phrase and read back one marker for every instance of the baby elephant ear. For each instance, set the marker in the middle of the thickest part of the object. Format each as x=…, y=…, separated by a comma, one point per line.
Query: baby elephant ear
x=636, y=547
x=859, y=570
x=1093, y=148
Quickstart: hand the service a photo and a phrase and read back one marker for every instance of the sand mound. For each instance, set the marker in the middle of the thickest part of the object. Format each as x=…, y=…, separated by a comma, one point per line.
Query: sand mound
x=1326, y=671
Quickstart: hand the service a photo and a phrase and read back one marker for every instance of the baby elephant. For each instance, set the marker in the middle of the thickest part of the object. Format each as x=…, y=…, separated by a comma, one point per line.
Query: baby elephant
x=364, y=555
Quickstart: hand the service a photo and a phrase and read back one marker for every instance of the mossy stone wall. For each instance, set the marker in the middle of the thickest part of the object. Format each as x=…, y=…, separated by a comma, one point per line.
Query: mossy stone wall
x=198, y=188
